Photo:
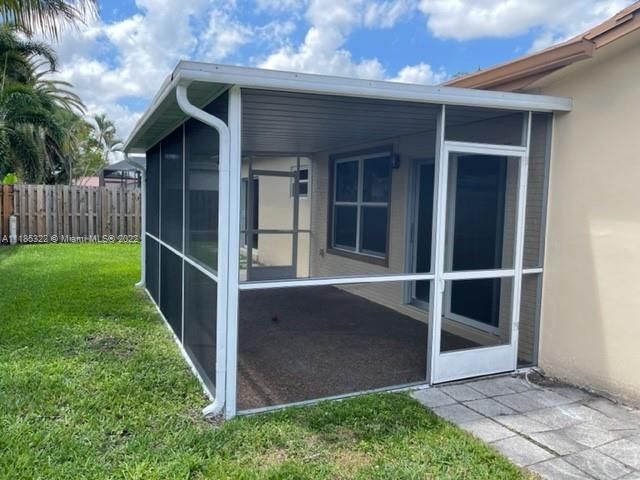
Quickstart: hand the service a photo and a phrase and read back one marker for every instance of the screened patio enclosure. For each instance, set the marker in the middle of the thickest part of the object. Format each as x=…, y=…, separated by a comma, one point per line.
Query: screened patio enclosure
x=312, y=237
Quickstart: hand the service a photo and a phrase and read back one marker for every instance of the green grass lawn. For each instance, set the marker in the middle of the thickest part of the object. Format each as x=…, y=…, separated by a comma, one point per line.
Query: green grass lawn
x=92, y=386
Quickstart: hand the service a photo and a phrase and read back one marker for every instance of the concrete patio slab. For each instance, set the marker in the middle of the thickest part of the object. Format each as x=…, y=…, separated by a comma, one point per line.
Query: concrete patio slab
x=555, y=430
x=558, y=469
x=557, y=442
x=598, y=465
x=521, y=451
x=522, y=424
x=433, y=397
x=532, y=400
x=457, y=414
x=462, y=393
x=487, y=430
x=489, y=407
x=624, y=451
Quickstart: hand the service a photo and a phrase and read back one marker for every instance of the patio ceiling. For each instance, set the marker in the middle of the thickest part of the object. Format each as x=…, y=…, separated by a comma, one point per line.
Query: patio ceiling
x=292, y=112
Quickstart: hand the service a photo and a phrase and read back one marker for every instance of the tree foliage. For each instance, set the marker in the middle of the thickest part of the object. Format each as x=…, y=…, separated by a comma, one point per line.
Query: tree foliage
x=44, y=135
x=47, y=17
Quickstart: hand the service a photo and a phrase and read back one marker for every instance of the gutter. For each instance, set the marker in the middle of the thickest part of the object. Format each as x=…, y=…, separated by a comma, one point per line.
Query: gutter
x=223, y=170
x=143, y=221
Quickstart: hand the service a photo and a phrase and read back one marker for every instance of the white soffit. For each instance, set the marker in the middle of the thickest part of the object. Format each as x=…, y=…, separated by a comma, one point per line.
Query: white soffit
x=206, y=81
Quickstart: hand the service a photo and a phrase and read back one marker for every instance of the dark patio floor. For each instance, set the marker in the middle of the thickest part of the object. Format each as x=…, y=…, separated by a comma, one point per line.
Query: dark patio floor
x=311, y=342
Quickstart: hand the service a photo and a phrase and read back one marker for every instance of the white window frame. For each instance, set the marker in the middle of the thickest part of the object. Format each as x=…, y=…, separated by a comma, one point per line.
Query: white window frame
x=300, y=181
x=359, y=204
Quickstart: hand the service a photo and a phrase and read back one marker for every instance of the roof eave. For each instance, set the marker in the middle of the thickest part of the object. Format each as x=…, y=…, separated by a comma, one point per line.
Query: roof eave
x=320, y=84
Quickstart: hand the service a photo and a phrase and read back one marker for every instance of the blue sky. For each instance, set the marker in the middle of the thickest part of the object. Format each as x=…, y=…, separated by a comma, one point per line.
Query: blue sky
x=118, y=60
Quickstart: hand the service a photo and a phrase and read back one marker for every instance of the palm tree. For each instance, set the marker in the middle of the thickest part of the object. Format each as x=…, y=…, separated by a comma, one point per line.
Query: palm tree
x=32, y=139
x=106, y=136
x=47, y=17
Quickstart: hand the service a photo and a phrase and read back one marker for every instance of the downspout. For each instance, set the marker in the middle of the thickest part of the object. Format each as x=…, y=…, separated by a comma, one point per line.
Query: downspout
x=223, y=260
x=143, y=221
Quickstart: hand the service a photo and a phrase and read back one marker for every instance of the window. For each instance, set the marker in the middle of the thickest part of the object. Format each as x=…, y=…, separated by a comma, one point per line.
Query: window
x=303, y=182
x=361, y=194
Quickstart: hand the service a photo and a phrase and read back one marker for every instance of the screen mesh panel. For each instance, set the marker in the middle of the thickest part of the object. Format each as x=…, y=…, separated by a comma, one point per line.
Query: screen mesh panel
x=202, y=182
x=171, y=289
x=171, y=189
x=152, y=270
x=536, y=190
x=305, y=343
x=152, y=203
x=200, y=304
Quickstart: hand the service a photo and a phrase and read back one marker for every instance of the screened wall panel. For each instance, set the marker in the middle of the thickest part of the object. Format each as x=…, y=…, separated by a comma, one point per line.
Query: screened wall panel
x=305, y=343
x=200, y=304
x=171, y=189
x=529, y=319
x=536, y=190
x=152, y=270
x=152, y=199
x=485, y=125
x=202, y=180
x=171, y=289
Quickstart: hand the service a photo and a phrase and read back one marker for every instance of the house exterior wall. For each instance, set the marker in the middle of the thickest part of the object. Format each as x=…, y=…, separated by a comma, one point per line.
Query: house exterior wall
x=276, y=212
x=590, y=324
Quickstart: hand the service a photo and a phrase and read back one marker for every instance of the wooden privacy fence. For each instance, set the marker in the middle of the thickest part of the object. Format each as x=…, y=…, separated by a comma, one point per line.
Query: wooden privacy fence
x=65, y=211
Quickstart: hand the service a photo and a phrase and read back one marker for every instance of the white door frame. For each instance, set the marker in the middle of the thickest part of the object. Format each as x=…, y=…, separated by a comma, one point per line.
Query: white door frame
x=466, y=363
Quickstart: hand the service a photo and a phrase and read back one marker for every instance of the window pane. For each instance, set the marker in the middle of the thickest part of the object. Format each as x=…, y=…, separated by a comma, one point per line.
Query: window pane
x=200, y=307
x=345, y=226
x=152, y=193
x=303, y=174
x=171, y=289
x=303, y=189
x=202, y=193
x=347, y=181
x=373, y=230
x=376, y=184
x=171, y=190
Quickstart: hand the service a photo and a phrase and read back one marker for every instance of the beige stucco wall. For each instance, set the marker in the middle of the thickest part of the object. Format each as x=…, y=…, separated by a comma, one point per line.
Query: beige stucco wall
x=590, y=329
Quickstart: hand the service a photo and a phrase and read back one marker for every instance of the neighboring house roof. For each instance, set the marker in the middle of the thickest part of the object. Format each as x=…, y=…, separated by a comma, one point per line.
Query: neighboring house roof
x=521, y=72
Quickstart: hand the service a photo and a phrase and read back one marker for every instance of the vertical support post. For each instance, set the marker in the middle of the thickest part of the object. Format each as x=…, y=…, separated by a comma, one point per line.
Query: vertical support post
x=233, y=231
x=143, y=229
x=437, y=247
x=296, y=210
x=184, y=220
x=519, y=251
x=249, y=216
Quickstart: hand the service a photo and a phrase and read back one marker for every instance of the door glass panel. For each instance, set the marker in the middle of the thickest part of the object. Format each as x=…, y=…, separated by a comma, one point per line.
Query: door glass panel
x=476, y=313
x=481, y=212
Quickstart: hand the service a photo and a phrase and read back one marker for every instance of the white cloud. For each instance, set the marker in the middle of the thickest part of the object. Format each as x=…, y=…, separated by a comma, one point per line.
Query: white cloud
x=420, y=73
x=387, y=13
x=222, y=36
x=322, y=50
x=468, y=19
x=281, y=5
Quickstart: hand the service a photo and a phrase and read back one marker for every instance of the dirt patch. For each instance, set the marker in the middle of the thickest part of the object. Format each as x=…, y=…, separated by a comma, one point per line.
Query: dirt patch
x=541, y=380
x=109, y=344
